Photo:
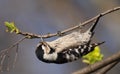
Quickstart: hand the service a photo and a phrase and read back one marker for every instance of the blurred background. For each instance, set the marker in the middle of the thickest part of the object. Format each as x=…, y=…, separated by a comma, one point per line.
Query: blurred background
x=50, y=16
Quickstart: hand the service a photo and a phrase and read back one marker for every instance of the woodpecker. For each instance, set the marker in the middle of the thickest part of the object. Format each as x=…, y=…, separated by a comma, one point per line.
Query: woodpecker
x=67, y=48
x=48, y=54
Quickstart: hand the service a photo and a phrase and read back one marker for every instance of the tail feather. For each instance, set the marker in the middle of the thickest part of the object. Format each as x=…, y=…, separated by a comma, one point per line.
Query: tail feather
x=97, y=44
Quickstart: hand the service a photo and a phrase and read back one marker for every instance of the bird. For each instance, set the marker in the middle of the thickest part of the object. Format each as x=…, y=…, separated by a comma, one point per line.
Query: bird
x=67, y=48
x=49, y=55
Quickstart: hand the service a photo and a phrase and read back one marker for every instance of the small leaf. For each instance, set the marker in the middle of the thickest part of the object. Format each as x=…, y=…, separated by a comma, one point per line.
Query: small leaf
x=11, y=27
x=93, y=56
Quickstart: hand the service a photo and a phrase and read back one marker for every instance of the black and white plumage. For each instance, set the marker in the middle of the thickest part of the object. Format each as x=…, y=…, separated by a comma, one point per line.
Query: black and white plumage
x=67, y=48
x=49, y=55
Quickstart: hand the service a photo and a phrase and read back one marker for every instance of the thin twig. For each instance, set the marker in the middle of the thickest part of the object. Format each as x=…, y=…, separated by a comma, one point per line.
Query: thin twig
x=107, y=68
x=16, y=55
x=1, y=63
x=2, y=51
x=92, y=68
x=1, y=58
x=4, y=54
x=69, y=29
x=8, y=64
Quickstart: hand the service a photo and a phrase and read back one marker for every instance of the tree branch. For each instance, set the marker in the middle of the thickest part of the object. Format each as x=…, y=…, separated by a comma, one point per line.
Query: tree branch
x=104, y=70
x=69, y=29
x=92, y=68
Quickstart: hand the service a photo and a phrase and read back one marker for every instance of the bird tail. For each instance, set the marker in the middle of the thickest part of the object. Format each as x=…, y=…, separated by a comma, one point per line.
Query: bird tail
x=97, y=44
